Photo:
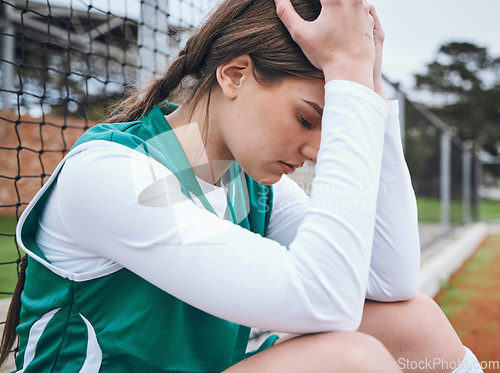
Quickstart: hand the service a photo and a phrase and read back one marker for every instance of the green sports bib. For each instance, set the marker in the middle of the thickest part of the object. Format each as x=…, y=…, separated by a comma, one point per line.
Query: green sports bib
x=114, y=321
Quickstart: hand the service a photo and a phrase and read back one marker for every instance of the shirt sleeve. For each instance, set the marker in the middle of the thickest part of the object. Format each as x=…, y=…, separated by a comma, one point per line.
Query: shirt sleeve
x=316, y=283
x=290, y=204
x=395, y=261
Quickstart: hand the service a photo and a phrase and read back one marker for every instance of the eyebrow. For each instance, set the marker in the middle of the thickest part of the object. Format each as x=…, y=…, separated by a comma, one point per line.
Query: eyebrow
x=315, y=106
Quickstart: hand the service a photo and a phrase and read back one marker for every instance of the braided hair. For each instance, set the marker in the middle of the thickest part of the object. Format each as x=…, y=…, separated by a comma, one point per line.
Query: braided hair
x=235, y=28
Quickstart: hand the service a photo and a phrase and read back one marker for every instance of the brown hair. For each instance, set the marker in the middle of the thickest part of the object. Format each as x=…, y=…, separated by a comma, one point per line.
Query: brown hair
x=235, y=28
x=13, y=318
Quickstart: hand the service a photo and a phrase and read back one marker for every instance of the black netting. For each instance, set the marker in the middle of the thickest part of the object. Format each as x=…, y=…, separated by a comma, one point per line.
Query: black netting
x=62, y=63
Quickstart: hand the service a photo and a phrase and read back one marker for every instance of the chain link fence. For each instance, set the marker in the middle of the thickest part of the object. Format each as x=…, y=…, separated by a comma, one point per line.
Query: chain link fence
x=444, y=171
x=489, y=189
x=63, y=62
x=446, y=174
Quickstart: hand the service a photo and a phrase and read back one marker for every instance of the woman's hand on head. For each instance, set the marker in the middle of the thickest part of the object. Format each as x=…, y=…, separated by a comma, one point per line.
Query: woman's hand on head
x=340, y=42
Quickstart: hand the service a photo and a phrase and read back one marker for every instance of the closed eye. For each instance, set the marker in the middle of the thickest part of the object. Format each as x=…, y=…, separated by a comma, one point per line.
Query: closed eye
x=305, y=123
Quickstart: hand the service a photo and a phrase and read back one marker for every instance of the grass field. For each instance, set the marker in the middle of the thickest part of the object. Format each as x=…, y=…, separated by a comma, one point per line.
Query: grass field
x=471, y=300
x=429, y=210
x=8, y=253
x=490, y=209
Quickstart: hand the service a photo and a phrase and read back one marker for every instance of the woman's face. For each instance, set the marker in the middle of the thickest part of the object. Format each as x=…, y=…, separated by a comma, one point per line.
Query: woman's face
x=272, y=129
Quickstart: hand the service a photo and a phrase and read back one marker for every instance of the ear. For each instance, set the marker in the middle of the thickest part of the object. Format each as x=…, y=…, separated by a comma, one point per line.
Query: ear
x=233, y=74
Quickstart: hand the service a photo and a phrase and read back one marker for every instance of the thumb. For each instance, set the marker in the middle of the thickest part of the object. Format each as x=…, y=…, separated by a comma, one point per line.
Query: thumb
x=286, y=12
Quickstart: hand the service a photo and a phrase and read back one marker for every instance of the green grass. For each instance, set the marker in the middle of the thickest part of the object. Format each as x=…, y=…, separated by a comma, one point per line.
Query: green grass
x=490, y=209
x=429, y=210
x=8, y=253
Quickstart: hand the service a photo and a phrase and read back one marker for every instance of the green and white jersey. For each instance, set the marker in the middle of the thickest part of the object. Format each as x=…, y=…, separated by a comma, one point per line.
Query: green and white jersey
x=112, y=320
x=165, y=284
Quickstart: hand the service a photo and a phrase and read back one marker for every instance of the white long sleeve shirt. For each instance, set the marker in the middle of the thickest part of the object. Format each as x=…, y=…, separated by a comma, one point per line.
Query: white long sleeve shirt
x=356, y=237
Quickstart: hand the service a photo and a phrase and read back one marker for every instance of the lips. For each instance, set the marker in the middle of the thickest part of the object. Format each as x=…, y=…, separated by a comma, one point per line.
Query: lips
x=289, y=168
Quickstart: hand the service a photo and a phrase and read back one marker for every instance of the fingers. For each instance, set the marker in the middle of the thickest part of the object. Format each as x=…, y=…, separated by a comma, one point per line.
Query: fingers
x=339, y=41
x=367, y=9
x=286, y=12
x=379, y=36
x=377, y=26
x=372, y=23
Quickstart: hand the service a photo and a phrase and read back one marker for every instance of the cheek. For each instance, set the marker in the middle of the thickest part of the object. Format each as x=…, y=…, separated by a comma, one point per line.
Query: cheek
x=265, y=132
x=256, y=152
x=256, y=138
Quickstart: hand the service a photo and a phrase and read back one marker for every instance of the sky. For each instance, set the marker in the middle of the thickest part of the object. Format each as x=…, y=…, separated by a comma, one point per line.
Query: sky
x=416, y=29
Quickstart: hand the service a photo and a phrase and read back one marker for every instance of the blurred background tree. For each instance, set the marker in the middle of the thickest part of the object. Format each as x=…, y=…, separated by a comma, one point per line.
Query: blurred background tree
x=463, y=86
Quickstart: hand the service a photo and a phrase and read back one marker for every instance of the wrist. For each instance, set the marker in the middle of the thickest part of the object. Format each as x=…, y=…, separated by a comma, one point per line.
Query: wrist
x=379, y=89
x=358, y=74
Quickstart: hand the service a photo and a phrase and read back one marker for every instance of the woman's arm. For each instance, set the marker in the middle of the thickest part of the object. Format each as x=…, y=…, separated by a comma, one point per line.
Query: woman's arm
x=316, y=284
x=396, y=247
x=395, y=260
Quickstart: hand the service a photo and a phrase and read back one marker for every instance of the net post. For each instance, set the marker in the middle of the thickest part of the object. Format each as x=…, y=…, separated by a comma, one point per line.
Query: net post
x=445, y=180
x=466, y=185
x=478, y=168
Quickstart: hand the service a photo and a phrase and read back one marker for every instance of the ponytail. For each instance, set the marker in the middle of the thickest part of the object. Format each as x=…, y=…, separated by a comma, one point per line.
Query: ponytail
x=12, y=321
x=235, y=28
x=139, y=103
x=192, y=61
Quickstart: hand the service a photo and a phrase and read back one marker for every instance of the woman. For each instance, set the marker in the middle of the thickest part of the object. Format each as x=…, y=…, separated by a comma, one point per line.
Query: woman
x=151, y=250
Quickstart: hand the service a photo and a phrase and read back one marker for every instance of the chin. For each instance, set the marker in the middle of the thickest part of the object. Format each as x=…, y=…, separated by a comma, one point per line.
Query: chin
x=269, y=179
x=262, y=176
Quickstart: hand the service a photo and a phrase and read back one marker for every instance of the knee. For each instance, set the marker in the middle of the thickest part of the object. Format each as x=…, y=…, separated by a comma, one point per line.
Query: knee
x=415, y=309
x=420, y=321
x=412, y=328
x=354, y=352
x=423, y=307
x=422, y=300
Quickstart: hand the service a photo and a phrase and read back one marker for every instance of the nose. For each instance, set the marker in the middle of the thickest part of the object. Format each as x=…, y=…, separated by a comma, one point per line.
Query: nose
x=311, y=146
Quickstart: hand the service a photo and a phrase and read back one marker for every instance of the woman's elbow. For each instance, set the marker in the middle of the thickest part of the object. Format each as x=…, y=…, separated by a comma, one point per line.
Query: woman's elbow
x=394, y=293
x=338, y=317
